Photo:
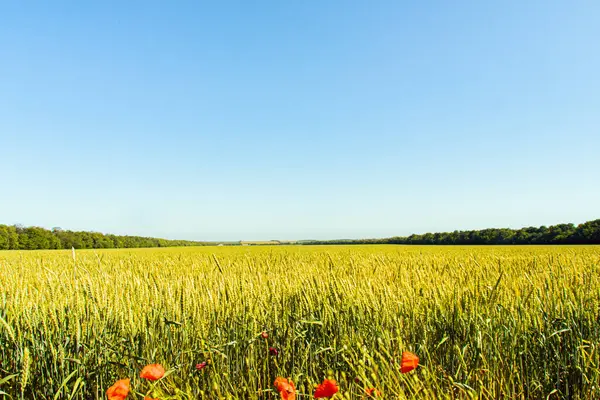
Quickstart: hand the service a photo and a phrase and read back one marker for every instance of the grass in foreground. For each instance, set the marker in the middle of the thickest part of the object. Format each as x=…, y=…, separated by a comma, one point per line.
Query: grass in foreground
x=486, y=322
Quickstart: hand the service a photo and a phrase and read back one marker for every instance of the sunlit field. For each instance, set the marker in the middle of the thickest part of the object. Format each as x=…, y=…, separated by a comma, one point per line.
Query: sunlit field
x=485, y=322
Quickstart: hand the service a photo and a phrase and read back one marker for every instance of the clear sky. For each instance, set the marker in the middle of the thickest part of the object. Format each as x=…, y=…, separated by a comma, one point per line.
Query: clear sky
x=298, y=119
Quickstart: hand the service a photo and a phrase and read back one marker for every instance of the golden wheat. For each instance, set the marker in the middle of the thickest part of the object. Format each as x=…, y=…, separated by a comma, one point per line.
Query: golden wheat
x=487, y=322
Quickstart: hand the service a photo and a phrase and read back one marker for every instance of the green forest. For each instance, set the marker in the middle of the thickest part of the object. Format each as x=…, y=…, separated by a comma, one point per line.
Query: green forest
x=15, y=237
x=586, y=233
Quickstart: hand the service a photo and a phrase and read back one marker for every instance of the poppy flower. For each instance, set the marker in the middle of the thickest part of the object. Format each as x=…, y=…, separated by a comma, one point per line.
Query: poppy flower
x=326, y=389
x=119, y=390
x=264, y=335
x=409, y=362
x=273, y=351
x=201, y=365
x=372, y=392
x=149, y=398
x=286, y=388
x=152, y=372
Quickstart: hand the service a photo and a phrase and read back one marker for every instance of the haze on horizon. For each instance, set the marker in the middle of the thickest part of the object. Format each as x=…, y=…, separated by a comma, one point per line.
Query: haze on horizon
x=276, y=120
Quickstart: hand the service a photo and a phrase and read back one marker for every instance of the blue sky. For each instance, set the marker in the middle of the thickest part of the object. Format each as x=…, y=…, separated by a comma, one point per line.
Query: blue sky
x=298, y=120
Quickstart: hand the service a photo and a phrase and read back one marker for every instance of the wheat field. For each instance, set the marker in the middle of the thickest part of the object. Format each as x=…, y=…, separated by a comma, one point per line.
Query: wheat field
x=515, y=322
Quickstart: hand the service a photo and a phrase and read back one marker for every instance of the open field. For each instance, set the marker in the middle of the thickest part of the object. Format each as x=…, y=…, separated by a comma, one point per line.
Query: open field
x=486, y=322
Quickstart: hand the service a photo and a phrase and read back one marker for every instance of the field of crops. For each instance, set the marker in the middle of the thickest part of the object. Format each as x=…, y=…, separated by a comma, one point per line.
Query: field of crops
x=486, y=322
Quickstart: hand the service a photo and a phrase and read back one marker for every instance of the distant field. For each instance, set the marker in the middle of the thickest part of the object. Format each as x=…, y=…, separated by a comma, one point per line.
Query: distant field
x=486, y=322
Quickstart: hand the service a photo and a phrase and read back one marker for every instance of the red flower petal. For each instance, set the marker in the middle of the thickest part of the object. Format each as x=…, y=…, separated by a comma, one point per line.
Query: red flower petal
x=409, y=362
x=286, y=388
x=326, y=389
x=119, y=390
x=152, y=372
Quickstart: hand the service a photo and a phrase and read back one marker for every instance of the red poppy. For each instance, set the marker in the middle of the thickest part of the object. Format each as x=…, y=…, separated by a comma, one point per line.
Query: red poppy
x=201, y=365
x=409, y=362
x=119, y=390
x=152, y=372
x=150, y=398
x=264, y=335
x=286, y=388
x=372, y=392
x=326, y=389
x=273, y=351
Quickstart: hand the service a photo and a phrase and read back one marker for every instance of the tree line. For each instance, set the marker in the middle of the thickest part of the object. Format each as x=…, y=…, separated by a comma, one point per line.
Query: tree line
x=16, y=237
x=586, y=233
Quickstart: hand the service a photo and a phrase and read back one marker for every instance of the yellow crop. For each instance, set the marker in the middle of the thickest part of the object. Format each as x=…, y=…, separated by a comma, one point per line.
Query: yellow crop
x=486, y=322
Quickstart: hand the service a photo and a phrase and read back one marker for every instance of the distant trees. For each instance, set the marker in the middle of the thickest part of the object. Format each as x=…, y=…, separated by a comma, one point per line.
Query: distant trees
x=9, y=238
x=587, y=233
x=17, y=237
x=34, y=238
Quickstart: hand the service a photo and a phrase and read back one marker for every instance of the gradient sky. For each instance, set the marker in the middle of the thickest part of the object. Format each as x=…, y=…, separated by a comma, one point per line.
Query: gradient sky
x=298, y=119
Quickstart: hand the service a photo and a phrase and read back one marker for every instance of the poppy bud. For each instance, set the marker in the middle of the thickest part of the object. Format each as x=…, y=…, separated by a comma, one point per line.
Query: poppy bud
x=201, y=365
x=264, y=335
